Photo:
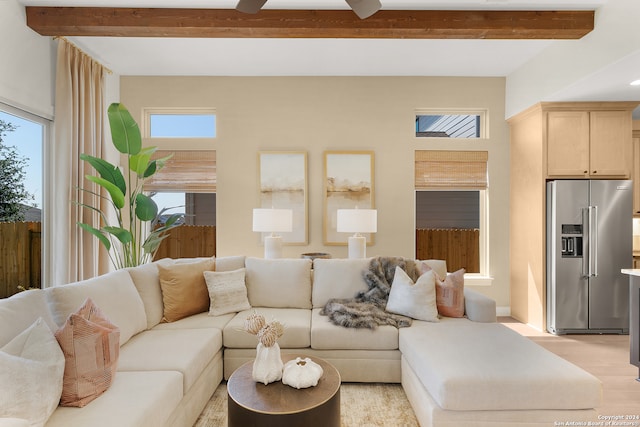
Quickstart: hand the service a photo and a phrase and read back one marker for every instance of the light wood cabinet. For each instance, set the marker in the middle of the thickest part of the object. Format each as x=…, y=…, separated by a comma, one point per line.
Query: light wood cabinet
x=557, y=140
x=636, y=173
x=590, y=144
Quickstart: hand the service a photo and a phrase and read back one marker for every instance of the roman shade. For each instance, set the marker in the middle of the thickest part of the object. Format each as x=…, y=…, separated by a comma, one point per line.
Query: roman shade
x=189, y=171
x=436, y=169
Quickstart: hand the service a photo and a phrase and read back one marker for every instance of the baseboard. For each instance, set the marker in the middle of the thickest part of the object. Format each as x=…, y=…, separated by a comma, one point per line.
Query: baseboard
x=503, y=311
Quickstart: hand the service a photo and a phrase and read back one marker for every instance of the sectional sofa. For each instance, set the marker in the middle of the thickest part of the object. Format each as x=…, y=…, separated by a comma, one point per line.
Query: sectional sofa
x=467, y=371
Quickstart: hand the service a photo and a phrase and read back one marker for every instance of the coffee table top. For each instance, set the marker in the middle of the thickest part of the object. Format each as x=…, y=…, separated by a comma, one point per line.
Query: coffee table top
x=278, y=398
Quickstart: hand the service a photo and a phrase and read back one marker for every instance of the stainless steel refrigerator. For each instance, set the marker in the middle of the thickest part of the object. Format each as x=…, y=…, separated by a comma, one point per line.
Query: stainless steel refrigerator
x=589, y=240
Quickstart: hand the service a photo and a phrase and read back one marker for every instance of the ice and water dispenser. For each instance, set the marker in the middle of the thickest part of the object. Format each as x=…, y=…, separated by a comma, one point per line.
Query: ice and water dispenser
x=571, y=240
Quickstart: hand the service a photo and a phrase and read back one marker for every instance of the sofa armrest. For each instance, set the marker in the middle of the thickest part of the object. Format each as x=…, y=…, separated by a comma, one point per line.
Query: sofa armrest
x=478, y=307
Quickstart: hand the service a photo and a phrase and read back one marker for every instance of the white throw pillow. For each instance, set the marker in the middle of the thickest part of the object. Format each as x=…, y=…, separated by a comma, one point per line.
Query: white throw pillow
x=227, y=291
x=31, y=370
x=415, y=300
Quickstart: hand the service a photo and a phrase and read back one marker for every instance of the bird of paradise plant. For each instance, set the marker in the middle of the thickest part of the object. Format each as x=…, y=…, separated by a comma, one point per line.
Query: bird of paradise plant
x=134, y=238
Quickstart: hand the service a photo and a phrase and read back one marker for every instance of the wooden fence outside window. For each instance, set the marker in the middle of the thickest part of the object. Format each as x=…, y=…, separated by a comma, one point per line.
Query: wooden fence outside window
x=459, y=247
x=20, y=256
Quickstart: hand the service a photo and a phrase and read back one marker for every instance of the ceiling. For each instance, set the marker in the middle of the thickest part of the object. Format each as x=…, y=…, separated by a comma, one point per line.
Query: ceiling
x=335, y=57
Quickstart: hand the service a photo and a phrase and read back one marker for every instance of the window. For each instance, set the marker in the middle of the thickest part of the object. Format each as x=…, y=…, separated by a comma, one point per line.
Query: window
x=180, y=123
x=187, y=182
x=452, y=209
x=24, y=136
x=450, y=124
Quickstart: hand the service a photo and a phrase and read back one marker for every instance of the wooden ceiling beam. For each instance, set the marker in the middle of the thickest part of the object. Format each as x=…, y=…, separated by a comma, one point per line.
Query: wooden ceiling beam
x=271, y=23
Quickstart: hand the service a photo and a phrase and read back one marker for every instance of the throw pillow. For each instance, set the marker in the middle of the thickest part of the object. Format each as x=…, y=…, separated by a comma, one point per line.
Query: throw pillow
x=31, y=369
x=227, y=291
x=184, y=291
x=91, y=346
x=450, y=294
x=416, y=300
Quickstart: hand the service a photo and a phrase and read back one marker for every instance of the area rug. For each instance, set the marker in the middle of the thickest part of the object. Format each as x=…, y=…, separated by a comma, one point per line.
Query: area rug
x=361, y=405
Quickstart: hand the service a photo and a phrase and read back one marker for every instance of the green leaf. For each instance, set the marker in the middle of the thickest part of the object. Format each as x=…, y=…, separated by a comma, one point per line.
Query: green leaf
x=107, y=171
x=120, y=233
x=101, y=237
x=124, y=129
x=146, y=208
x=117, y=196
x=151, y=169
x=140, y=162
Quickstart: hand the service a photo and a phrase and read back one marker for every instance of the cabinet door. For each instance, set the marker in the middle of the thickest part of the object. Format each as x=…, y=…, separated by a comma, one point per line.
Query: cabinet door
x=611, y=145
x=567, y=143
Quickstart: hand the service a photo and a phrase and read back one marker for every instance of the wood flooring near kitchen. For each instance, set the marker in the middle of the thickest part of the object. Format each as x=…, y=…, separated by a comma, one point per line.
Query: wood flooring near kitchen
x=605, y=356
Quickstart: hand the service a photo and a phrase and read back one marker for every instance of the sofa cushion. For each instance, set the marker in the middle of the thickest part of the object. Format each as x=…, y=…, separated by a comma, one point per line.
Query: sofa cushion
x=198, y=321
x=450, y=294
x=297, y=325
x=416, y=300
x=184, y=291
x=279, y=283
x=114, y=293
x=135, y=399
x=147, y=281
x=31, y=370
x=338, y=278
x=227, y=291
x=228, y=263
x=14, y=422
x=474, y=370
x=327, y=336
x=90, y=343
x=187, y=351
x=19, y=311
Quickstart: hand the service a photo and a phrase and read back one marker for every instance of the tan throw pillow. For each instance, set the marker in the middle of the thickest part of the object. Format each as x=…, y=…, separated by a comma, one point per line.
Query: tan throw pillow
x=184, y=291
x=31, y=369
x=416, y=300
x=450, y=294
x=91, y=346
x=227, y=291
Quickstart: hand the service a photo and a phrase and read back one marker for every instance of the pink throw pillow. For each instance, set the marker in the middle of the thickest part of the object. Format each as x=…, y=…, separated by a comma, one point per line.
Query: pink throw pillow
x=91, y=346
x=450, y=294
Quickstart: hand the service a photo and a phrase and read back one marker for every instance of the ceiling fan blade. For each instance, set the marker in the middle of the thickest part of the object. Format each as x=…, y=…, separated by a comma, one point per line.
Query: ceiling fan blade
x=250, y=6
x=364, y=8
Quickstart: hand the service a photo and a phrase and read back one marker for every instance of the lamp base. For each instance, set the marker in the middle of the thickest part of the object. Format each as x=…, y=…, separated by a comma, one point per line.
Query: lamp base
x=273, y=247
x=357, y=247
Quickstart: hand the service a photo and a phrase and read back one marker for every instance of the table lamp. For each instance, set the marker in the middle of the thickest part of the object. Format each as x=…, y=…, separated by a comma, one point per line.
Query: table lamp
x=273, y=221
x=357, y=221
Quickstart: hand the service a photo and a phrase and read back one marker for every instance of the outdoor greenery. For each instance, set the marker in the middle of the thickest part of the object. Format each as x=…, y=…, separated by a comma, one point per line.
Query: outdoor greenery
x=137, y=232
x=14, y=196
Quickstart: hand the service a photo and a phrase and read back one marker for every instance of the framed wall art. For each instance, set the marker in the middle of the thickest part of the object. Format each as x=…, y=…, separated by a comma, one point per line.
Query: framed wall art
x=348, y=184
x=283, y=185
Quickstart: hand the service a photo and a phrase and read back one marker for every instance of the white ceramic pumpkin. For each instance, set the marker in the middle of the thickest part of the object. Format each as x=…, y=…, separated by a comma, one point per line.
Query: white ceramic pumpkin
x=301, y=373
x=267, y=367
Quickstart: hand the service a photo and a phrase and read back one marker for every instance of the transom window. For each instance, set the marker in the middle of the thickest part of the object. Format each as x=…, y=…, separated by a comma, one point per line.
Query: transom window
x=450, y=124
x=180, y=123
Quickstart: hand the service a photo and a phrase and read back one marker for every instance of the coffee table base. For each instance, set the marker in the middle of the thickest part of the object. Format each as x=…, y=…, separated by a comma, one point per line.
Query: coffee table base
x=325, y=415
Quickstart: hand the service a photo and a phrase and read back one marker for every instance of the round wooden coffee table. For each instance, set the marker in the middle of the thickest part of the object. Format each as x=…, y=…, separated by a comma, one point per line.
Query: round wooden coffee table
x=276, y=404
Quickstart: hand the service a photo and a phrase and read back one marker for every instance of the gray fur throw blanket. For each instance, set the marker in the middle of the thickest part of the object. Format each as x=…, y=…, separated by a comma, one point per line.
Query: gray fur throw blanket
x=367, y=308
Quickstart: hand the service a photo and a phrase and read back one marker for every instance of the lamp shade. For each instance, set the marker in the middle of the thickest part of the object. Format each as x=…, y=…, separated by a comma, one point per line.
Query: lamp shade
x=273, y=220
x=357, y=221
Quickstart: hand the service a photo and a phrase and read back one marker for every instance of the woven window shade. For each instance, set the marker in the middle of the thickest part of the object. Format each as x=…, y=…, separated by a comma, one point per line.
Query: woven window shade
x=451, y=169
x=191, y=171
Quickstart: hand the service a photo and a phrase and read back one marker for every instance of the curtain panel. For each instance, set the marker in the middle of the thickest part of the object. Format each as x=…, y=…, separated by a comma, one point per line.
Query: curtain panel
x=79, y=128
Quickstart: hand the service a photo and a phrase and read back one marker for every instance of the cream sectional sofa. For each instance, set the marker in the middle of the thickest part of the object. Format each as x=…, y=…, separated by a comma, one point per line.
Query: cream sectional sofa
x=466, y=371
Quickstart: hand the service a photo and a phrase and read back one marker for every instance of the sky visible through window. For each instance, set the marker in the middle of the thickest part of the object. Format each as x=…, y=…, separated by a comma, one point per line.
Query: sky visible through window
x=27, y=138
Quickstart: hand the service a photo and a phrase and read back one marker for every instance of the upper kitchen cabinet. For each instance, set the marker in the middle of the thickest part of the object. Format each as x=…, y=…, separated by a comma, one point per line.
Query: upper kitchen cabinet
x=589, y=140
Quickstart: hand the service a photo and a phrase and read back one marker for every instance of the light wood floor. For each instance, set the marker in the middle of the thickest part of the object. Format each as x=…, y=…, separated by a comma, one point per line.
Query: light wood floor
x=605, y=356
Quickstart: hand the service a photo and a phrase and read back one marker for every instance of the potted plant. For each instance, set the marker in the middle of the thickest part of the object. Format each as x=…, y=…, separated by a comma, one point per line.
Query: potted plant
x=132, y=239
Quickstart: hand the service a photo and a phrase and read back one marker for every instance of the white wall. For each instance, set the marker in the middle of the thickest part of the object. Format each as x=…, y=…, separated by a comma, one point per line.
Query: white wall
x=316, y=114
x=569, y=70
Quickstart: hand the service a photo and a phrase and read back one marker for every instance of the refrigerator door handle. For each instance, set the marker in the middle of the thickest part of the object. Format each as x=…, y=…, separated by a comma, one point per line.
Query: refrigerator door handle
x=593, y=235
x=586, y=243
